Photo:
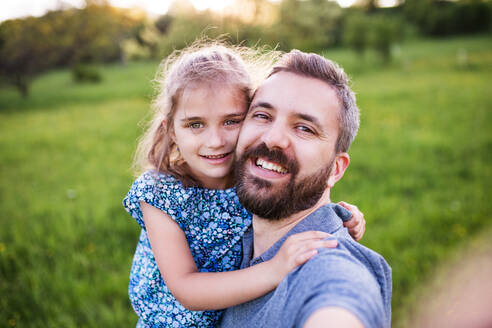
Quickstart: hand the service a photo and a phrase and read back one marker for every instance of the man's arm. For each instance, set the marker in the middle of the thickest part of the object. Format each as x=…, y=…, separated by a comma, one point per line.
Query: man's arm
x=332, y=317
x=339, y=291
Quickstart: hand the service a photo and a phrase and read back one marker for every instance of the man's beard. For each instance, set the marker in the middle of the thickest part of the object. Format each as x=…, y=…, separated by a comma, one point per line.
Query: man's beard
x=260, y=196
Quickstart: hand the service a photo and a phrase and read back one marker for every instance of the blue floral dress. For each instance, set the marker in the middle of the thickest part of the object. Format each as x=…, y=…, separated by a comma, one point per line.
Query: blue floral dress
x=213, y=222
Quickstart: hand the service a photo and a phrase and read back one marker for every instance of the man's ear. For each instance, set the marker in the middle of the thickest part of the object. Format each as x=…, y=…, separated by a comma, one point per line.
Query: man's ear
x=341, y=163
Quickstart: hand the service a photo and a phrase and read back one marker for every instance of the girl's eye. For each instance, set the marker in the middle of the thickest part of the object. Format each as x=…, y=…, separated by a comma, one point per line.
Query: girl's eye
x=195, y=125
x=305, y=129
x=232, y=122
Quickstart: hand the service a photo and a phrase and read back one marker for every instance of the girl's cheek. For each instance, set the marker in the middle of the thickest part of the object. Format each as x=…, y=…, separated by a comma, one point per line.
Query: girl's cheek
x=234, y=136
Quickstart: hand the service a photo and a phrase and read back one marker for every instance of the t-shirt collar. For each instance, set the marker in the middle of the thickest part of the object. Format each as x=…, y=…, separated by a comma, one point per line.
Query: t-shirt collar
x=328, y=218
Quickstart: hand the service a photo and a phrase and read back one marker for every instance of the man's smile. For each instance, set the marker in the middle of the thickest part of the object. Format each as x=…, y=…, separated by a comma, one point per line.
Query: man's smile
x=264, y=169
x=270, y=166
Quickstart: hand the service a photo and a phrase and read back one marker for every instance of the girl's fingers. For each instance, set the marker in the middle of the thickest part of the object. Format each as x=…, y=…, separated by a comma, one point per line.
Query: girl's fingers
x=343, y=204
x=313, y=245
x=330, y=243
x=363, y=230
x=360, y=232
x=306, y=256
x=351, y=223
x=308, y=251
x=356, y=213
x=357, y=231
x=348, y=206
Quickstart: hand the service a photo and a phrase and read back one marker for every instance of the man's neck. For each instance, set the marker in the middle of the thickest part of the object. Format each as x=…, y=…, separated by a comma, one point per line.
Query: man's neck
x=268, y=232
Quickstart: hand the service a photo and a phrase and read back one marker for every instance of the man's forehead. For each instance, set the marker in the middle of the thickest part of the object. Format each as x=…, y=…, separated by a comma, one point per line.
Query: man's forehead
x=287, y=90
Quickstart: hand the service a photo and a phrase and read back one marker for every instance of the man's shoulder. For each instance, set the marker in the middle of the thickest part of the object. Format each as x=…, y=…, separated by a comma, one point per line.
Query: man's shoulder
x=353, y=260
x=345, y=260
x=350, y=276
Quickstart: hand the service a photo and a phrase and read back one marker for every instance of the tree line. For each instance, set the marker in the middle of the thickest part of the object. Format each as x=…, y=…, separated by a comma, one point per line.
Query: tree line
x=98, y=32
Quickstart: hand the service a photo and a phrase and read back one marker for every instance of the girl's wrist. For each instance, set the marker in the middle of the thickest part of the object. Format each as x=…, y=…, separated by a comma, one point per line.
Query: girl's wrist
x=274, y=272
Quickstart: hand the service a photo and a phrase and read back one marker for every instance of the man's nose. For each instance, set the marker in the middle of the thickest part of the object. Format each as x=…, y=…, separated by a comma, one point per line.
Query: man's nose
x=276, y=137
x=215, y=138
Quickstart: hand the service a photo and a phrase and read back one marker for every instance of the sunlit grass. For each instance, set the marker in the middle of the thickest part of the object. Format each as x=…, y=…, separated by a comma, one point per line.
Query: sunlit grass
x=420, y=172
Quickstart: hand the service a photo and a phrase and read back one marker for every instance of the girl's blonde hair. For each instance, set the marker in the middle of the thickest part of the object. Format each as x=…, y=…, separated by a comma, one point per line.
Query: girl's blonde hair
x=205, y=62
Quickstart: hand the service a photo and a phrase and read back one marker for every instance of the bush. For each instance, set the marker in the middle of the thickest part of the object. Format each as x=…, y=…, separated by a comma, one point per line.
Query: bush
x=442, y=18
x=85, y=73
x=376, y=31
x=384, y=31
x=310, y=25
x=355, y=32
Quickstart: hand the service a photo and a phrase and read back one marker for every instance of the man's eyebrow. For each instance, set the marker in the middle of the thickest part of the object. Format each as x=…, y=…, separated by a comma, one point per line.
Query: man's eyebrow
x=261, y=104
x=309, y=118
x=239, y=114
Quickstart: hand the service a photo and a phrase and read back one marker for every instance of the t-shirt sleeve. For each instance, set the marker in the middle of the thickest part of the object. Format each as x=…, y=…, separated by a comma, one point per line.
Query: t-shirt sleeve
x=161, y=191
x=345, y=283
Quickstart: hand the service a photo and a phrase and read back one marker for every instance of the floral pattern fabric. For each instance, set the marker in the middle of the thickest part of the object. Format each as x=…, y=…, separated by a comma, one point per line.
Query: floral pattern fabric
x=213, y=222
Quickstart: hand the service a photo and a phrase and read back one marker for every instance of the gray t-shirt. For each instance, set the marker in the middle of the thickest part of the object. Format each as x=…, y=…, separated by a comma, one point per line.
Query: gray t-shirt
x=350, y=276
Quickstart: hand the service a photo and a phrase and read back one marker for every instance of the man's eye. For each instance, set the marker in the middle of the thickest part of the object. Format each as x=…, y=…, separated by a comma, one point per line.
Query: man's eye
x=305, y=129
x=232, y=122
x=261, y=116
x=195, y=125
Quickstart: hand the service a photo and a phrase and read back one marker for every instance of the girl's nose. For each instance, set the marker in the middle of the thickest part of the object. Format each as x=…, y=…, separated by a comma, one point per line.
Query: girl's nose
x=215, y=139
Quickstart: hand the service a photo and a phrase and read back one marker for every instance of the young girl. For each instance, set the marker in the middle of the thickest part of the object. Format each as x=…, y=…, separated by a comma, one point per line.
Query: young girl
x=191, y=219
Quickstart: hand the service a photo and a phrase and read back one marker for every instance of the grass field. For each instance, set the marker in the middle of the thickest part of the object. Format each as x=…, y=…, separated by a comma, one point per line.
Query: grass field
x=420, y=171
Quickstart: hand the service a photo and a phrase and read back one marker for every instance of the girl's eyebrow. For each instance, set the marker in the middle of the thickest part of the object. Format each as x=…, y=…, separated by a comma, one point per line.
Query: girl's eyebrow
x=198, y=118
x=192, y=118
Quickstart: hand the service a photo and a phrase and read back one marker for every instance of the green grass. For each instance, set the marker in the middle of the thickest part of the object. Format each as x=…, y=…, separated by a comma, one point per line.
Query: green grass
x=421, y=164
x=420, y=172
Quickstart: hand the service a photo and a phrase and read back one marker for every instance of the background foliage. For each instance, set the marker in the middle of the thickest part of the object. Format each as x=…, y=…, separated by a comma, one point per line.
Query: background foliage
x=101, y=33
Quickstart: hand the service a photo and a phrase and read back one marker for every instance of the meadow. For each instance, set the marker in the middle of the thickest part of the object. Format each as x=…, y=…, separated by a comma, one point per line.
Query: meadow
x=420, y=171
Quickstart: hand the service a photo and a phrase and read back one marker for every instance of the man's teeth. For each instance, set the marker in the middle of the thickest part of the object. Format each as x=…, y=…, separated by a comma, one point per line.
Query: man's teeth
x=270, y=166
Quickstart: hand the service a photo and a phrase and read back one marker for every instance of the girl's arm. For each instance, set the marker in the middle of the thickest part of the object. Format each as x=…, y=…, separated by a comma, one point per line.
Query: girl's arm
x=200, y=291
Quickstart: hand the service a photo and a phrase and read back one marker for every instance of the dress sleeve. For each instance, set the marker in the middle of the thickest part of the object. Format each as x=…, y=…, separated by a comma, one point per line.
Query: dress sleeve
x=161, y=191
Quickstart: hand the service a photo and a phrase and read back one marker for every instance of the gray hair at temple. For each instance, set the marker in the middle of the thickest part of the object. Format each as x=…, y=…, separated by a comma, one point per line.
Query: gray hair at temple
x=318, y=67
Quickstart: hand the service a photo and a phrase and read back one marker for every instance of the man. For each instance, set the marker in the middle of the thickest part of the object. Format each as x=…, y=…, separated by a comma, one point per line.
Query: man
x=291, y=151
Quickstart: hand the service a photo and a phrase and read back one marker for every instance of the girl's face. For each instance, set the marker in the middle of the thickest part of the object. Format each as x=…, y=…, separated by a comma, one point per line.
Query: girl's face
x=206, y=128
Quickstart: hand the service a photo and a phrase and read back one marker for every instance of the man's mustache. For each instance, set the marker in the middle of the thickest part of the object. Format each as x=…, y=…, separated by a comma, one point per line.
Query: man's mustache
x=272, y=155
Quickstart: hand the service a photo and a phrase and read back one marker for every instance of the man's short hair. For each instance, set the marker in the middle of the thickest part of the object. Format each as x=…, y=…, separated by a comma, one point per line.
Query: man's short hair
x=318, y=67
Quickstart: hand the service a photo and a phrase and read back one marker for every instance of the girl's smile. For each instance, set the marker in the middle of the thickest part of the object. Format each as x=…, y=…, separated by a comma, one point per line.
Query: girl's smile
x=218, y=159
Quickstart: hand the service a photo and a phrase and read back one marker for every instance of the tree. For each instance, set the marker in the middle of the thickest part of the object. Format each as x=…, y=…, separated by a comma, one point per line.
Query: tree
x=310, y=25
x=355, y=33
x=66, y=37
x=25, y=51
x=383, y=33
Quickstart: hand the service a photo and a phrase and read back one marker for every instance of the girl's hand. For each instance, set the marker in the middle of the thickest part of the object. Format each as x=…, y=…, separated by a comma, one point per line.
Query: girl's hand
x=357, y=224
x=297, y=249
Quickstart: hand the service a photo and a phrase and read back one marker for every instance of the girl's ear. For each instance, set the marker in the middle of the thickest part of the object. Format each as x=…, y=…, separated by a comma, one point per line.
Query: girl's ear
x=170, y=131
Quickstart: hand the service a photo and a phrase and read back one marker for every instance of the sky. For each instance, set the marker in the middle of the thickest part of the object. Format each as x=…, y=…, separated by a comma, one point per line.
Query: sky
x=20, y=8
